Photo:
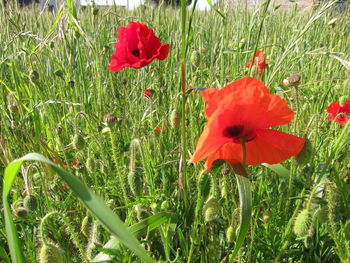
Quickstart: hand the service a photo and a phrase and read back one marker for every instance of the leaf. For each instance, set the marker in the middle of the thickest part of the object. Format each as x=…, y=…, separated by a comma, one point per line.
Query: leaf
x=91, y=201
x=278, y=169
x=4, y=256
x=245, y=209
x=216, y=10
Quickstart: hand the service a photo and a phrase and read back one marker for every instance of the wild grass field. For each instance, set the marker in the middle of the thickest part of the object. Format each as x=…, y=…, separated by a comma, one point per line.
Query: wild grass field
x=106, y=133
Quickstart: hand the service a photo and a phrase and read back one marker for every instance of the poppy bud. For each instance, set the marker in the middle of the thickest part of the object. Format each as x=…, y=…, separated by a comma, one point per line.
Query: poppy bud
x=211, y=209
x=305, y=155
x=203, y=185
x=95, y=11
x=321, y=214
x=195, y=58
x=84, y=229
x=342, y=101
x=20, y=212
x=71, y=83
x=59, y=73
x=175, y=119
x=78, y=142
x=242, y=43
x=51, y=254
x=302, y=223
x=90, y=164
x=294, y=80
x=30, y=203
x=230, y=234
x=109, y=119
x=266, y=216
x=52, y=44
x=140, y=212
x=135, y=184
x=286, y=83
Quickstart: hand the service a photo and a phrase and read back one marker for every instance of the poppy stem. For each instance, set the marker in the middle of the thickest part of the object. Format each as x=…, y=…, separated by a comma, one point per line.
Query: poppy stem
x=244, y=150
x=184, y=96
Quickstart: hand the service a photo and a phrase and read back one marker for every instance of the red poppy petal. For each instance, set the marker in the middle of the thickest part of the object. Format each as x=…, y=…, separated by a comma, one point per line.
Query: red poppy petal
x=230, y=152
x=163, y=52
x=272, y=146
x=238, y=89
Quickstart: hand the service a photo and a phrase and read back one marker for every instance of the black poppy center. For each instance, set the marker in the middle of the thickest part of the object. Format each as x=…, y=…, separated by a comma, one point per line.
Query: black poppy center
x=136, y=53
x=233, y=131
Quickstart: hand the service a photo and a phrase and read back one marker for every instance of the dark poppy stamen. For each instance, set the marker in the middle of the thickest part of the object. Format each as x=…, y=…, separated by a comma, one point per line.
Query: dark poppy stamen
x=233, y=131
x=136, y=53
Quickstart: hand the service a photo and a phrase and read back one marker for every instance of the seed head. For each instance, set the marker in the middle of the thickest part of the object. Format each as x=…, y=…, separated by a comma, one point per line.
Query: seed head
x=303, y=224
x=211, y=209
x=230, y=234
x=175, y=119
x=203, y=185
x=51, y=254
x=195, y=58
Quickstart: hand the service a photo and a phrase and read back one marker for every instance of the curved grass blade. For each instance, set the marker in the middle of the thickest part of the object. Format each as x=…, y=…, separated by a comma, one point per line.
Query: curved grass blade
x=278, y=169
x=245, y=208
x=91, y=201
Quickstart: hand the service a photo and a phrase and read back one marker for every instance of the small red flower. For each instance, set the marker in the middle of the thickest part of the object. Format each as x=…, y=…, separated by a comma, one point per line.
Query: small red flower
x=138, y=46
x=160, y=129
x=259, y=60
x=340, y=114
x=55, y=160
x=148, y=93
x=245, y=110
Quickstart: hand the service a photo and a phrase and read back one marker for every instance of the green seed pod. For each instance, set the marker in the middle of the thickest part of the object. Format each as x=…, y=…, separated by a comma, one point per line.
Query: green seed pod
x=134, y=180
x=95, y=11
x=20, y=212
x=203, y=185
x=175, y=119
x=305, y=155
x=230, y=234
x=303, y=224
x=51, y=254
x=109, y=119
x=195, y=58
x=242, y=43
x=90, y=164
x=78, y=142
x=342, y=100
x=211, y=209
x=30, y=203
x=85, y=226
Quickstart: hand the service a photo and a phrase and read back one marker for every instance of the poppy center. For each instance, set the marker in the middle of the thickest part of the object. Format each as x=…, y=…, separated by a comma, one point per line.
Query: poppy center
x=136, y=53
x=237, y=132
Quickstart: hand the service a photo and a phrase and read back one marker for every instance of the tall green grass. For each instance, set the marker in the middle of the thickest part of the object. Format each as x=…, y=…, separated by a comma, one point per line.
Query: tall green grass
x=53, y=70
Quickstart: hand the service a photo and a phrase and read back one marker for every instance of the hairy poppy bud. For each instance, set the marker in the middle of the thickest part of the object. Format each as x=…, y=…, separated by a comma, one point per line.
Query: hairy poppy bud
x=294, y=80
x=30, y=203
x=305, y=155
x=211, y=209
x=175, y=119
x=203, y=185
x=230, y=234
x=195, y=58
x=242, y=43
x=135, y=184
x=85, y=229
x=302, y=224
x=51, y=254
x=342, y=101
x=109, y=119
x=90, y=164
x=78, y=142
x=20, y=212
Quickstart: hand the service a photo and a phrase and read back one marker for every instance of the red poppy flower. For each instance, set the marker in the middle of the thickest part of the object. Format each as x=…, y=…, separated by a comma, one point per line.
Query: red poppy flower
x=148, y=93
x=259, y=60
x=160, y=129
x=137, y=47
x=340, y=114
x=245, y=110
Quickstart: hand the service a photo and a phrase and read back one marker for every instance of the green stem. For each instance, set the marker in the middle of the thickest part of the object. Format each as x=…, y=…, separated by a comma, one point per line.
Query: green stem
x=183, y=113
x=115, y=158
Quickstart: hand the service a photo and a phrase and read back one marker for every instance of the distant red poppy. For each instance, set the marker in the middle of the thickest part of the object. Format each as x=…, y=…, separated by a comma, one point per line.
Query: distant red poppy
x=340, y=114
x=148, y=93
x=160, y=129
x=259, y=60
x=137, y=47
x=245, y=110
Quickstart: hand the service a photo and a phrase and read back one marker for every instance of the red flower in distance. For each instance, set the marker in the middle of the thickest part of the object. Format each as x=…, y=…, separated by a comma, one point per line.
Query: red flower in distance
x=259, y=60
x=340, y=114
x=245, y=110
x=148, y=93
x=137, y=47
